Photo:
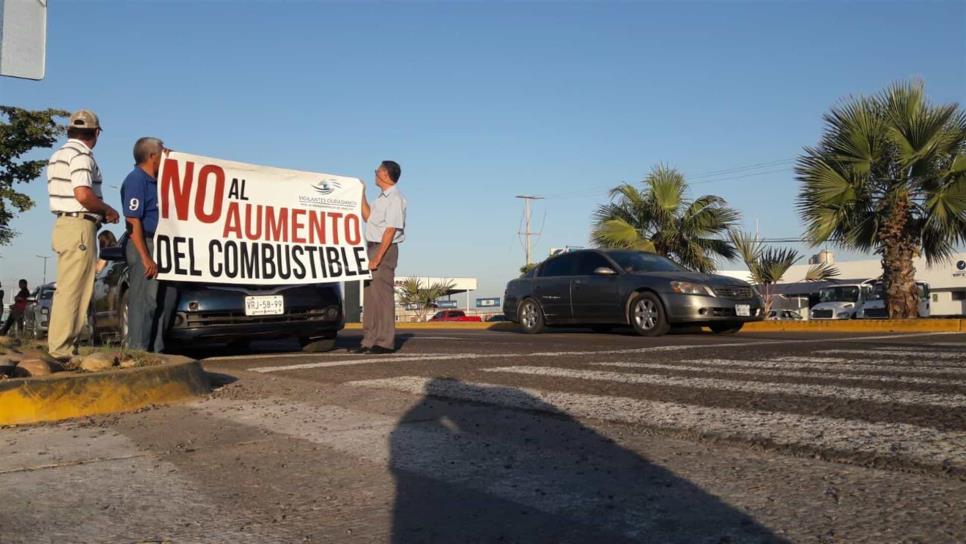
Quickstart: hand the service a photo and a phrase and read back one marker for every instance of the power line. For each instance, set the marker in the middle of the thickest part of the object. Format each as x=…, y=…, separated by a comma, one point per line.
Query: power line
x=713, y=176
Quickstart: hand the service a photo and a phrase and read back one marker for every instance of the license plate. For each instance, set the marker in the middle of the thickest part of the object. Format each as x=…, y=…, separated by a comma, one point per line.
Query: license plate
x=265, y=305
x=743, y=310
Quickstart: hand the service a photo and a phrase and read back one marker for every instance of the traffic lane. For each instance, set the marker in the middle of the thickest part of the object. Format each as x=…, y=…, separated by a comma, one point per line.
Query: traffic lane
x=887, y=390
x=457, y=340
x=492, y=344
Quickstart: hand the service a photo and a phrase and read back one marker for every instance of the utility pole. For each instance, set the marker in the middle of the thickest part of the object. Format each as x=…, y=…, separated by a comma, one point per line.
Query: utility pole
x=527, y=232
x=45, y=267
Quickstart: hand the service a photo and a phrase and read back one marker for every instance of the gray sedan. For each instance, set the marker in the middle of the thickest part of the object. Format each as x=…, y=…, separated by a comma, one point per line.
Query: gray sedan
x=607, y=288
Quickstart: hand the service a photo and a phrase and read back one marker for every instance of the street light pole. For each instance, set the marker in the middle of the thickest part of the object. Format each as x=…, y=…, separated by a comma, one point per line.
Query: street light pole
x=44, y=257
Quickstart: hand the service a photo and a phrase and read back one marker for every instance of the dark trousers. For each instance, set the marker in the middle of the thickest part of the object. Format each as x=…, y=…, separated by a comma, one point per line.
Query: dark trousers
x=16, y=316
x=150, y=303
x=379, y=301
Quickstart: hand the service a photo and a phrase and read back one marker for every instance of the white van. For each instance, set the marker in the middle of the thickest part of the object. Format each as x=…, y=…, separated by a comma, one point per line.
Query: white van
x=843, y=301
x=875, y=308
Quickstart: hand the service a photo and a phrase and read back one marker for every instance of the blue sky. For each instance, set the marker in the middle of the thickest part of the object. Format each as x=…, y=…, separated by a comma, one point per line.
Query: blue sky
x=483, y=101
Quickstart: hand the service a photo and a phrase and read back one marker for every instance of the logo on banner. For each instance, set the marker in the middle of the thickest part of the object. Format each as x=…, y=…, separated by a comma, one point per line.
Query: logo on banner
x=326, y=187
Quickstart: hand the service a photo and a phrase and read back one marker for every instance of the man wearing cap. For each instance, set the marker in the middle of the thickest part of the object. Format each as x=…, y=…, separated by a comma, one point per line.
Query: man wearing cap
x=74, y=187
x=139, y=196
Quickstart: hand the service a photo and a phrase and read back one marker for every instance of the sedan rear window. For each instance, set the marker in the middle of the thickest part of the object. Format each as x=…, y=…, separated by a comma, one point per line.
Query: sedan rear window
x=636, y=261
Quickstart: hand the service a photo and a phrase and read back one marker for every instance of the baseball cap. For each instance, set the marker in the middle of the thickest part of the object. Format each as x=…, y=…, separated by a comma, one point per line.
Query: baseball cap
x=84, y=119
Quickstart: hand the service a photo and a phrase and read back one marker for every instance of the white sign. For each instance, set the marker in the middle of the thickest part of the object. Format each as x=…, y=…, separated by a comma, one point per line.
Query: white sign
x=231, y=222
x=23, y=38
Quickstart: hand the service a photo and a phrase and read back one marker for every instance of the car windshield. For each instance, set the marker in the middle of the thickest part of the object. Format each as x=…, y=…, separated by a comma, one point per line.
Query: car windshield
x=636, y=261
x=47, y=294
x=849, y=293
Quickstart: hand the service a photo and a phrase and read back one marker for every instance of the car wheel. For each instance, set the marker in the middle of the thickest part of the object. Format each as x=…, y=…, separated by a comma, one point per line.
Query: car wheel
x=725, y=328
x=647, y=315
x=531, y=317
x=317, y=345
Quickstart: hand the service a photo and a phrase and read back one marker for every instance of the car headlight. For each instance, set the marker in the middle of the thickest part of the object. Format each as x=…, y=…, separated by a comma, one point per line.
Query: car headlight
x=44, y=311
x=847, y=306
x=688, y=288
x=843, y=315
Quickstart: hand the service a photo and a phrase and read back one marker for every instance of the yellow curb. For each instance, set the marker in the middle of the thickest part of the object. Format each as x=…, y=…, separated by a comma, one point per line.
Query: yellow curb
x=829, y=326
x=63, y=396
x=858, y=325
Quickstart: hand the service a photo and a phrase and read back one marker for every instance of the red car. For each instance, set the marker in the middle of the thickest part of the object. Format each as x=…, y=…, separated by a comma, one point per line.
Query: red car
x=454, y=315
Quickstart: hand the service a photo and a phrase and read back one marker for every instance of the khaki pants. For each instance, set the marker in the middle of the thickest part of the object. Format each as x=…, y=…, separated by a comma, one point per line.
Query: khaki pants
x=75, y=243
x=379, y=301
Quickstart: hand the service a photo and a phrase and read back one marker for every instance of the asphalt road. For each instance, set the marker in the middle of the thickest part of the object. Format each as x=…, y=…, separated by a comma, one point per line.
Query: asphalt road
x=501, y=437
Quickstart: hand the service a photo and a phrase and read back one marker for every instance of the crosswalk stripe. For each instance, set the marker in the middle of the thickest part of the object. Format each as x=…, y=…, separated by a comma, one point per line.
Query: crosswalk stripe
x=919, y=445
x=434, y=449
x=921, y=355
x=820, y=391
x=466, y=356
x=715, y=365
x=838, y=363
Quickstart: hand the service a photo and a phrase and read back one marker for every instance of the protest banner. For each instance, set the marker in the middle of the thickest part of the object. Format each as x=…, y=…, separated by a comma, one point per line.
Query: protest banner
x=231, y=222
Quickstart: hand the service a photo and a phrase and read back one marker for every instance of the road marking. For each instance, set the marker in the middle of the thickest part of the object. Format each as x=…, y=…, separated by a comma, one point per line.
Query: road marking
x=919, y=445
x=467, y=356
x=885, y=364
x=441, y=450
x=925, y=355
x=714, y=365
x=818, y=391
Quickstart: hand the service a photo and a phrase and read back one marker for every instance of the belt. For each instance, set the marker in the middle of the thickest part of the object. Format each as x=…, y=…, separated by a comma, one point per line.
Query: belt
x=93, y=218
x=377, y=244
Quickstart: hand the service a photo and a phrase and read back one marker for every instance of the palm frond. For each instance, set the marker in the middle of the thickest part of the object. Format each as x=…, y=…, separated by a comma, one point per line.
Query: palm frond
x=821, y=272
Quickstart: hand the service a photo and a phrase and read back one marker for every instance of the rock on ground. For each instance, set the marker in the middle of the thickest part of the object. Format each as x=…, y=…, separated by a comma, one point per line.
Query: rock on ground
x=36, y=367
x=96, y=362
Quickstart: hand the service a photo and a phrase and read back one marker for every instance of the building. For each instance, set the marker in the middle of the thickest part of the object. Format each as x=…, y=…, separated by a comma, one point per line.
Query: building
x=947, y=280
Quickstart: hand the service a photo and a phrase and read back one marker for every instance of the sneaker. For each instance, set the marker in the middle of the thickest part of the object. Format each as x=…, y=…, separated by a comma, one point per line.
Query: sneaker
x=379, y=350
x=359, y=351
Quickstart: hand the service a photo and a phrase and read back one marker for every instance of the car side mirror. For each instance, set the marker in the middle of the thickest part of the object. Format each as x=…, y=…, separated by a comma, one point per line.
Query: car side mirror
x=112, y=254
x=604, y=271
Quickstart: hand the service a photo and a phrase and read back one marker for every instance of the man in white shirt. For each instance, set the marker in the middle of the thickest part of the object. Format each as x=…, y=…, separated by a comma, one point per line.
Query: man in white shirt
x=74, y=186
x=385, y=229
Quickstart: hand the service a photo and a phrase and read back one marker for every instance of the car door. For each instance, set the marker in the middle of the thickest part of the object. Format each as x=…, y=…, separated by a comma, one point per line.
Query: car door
x=552, y=287
x=596, y=297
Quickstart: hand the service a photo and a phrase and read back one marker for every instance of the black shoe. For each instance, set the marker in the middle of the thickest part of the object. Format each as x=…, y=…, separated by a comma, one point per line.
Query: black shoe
x=359, y=351
x=379, y=350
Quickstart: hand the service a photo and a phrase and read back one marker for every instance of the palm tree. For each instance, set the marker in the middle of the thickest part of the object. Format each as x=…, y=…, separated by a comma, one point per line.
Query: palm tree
x=660, y=219
x=412, y=293
x=768, y=266
x=889, y=175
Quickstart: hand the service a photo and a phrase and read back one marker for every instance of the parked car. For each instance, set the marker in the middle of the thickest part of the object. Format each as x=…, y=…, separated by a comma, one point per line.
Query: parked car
x=37, y=314
x=842, y=301
x=606, y=288
x=875, y=307
x=454, y=315
x=497, y=318
x=219, y=313
x=784, y=315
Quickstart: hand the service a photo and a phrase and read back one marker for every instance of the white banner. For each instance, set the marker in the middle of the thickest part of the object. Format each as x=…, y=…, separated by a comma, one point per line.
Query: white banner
x=231, y=222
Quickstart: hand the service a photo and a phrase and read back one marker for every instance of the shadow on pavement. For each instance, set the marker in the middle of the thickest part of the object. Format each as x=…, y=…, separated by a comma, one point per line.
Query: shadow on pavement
x=465, y=473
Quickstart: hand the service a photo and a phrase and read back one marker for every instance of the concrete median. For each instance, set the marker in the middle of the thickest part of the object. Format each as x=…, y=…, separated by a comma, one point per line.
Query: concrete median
x=69, y=395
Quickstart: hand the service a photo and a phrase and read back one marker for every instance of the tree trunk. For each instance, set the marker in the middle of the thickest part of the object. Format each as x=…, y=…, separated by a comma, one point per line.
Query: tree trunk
x=898, y=272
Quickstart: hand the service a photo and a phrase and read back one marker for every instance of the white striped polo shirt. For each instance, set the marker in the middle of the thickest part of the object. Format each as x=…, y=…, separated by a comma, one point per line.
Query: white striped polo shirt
x=71, y=166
